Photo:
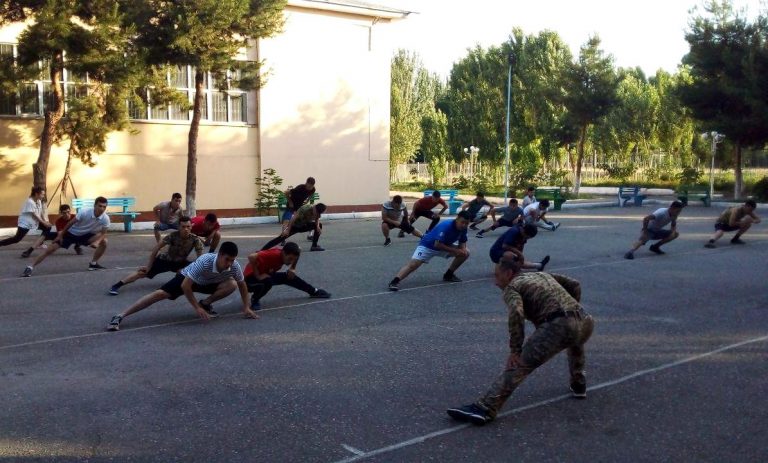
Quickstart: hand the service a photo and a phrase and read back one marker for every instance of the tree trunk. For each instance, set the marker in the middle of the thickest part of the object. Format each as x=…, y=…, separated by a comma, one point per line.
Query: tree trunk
x=65, y=180
x=194, y=128
x=738, y=184
x=53, y=115
x=580, y=158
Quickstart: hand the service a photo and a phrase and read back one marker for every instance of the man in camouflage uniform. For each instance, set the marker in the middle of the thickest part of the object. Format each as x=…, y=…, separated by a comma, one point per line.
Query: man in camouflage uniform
x=551, y=302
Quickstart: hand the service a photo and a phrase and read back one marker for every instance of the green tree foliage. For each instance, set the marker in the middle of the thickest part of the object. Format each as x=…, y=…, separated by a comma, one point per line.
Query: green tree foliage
x=434, y=145
x=675, y=130
x=727, y=63
x=413, y=93
x=590, y=93
x=208, y=35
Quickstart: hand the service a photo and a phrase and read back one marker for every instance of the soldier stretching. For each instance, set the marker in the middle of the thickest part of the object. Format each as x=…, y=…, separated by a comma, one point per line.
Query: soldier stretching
x=551, y=302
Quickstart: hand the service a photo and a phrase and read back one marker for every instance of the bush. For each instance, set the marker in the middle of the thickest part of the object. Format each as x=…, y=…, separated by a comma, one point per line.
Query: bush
x=760, y=189
x=269, y=191
x=689, y=176
x=621, y=173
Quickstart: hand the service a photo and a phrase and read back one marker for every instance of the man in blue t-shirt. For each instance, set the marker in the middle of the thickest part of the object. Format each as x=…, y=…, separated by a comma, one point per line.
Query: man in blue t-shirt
x=441, y=241
x=513, y=240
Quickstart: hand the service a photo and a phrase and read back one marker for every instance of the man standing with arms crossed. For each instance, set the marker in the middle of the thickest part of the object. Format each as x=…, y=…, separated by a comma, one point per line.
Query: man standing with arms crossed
x=551, y=302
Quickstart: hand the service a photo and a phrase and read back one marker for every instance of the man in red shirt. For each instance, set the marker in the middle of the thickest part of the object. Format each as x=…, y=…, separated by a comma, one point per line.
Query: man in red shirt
x=207, y=228
x=263, y=272
x=424, y=206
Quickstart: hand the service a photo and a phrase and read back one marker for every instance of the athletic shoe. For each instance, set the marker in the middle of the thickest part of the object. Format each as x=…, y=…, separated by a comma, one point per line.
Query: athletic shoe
x=401, y=234
x=579, y=390
x=27, y=272
x=27, y=253
x=655, y=248
x=556, y=226
x=321, y=294
x=737, y=241
x=394, y=287
x=43, y=246
x=316, y=248
x=472, y=413
x=451, y=278
x=710, y=245
x=479, y=235
x=473, y=227
x=209, y=309
x=96, y=266
x=114, y=324
x=310, y=236
x=113, y=291
x=387, y=242
x=629, y=255
x=79, y=250
x=543, y=263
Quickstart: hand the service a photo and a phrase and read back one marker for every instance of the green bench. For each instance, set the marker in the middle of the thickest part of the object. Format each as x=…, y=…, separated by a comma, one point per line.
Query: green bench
x=688, y=192
x=282, y=203
x=123, y=203
x=553, y=194
x=449, y=196
x=630, y=193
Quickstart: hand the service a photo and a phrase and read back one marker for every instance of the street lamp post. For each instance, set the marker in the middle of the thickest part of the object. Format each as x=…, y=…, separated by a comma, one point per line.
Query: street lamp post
x=472, y=153
x=511, y=62
x=715, y=139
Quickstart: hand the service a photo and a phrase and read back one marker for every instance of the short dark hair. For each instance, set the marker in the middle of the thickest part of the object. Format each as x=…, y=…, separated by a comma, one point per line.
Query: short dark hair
x=544, y=202
x=292, y=248
x=100, y=200
x=480, y=194
x=677, y=204
x=176, y=195
x=35, y=190
x=310, y=180
x=184, y=218
x=320, y=207
x=228, y=248
x=511, y=261
x=531, y=188
x=436, y=194
x=751, y=203
x=210, y=217
x=464, y=215
x=513, y=200
x=397, y=199
x=64, y=207
x=530, y=230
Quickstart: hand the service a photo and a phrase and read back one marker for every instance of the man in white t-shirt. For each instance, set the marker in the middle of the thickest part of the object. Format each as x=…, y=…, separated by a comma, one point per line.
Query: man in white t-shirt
x=653, y=229
x=535, y=213
x=87, y=228
x=31, y=218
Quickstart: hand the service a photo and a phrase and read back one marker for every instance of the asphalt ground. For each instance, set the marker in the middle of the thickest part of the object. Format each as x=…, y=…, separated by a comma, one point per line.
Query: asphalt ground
x=677, y=366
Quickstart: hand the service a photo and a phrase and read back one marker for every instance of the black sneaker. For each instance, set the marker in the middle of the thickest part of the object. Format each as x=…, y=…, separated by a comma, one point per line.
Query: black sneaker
x=79, y=250
x=579, y=390
x=27, y=272
x=543, y=263
x=321, y=294
x=473, y=227
x=472, y=413
x=96, y=266
x=316, y=248
x=394, y=287
x=401, y=234
x=387, y=242
x=209, y=309
x=113, y=291
x=114, y=324
x=479, y=235
x=27, y=253
x=655, y=248
x=451, y=278
x=710, y=245
x=629, y=255
x=310, y=236
x=737, y=241
x=556, y=226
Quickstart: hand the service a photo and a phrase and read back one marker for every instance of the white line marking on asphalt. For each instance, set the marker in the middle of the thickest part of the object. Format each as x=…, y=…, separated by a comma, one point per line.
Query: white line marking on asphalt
x=606, y=384
x=352, y=449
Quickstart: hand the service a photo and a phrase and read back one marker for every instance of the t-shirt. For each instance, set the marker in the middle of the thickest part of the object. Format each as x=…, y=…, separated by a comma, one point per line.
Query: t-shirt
x=62, y=222
x=532, y=211
x=427, y=204
x=446, y=233
x=177, y=248
x=299, y=195
x=391, y=212
x=198, y=228
x=86, y=222
x=203, y=271
x=528, y=200
x=269, y=261
x=168, y=215
x=475, y=205
x=661, y=218
x=509, y=213
x=304, y=216
x=26, y=216
x=512, y=237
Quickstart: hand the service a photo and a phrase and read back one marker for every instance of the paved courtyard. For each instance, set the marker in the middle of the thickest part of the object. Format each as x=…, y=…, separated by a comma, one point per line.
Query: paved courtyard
x=677, y=366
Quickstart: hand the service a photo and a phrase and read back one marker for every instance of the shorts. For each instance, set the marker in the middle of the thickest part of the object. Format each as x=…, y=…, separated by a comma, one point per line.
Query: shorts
x=495, y=255
x=166, y=226
x=725, y=227
x=658, y=234
x=404, y=226
x=481, y=215
x=505, y=223
x=424, y=254
x=162, y=266
x=428, y=214
x=173, y=287
x=287, y=214
x=81, y=240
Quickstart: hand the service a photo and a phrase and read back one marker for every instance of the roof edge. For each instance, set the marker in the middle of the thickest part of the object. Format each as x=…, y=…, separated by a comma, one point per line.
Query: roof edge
x=359, y=8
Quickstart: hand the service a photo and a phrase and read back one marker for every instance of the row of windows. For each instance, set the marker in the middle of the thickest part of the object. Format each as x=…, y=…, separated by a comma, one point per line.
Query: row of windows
x=33, y=98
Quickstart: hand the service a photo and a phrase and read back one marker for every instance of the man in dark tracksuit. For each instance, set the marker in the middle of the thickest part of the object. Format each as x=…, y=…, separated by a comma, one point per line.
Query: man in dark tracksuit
x=551, y=302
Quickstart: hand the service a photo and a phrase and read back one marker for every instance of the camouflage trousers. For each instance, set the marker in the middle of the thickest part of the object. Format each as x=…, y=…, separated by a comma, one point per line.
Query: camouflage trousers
x=547, y=341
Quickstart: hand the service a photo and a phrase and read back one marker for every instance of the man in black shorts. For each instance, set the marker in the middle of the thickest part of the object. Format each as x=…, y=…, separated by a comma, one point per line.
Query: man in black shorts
x=424, y=206
x=477, y=210
x=180, y=243
x=738, y=219
x=307, y=218
x=510, y=215
x=513, y=240
x=218, y=275
x=394, y=214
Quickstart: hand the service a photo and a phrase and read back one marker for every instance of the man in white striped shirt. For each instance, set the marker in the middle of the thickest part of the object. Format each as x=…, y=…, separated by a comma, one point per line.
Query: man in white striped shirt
x=215, y=274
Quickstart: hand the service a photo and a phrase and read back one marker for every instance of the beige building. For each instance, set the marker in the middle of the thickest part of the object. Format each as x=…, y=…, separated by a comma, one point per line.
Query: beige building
x=324, y=112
